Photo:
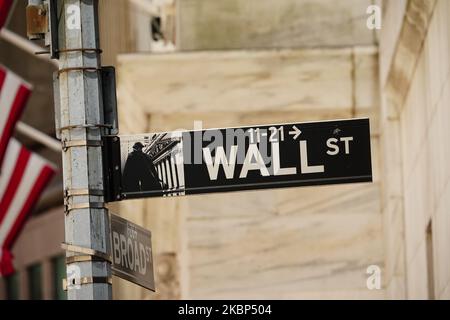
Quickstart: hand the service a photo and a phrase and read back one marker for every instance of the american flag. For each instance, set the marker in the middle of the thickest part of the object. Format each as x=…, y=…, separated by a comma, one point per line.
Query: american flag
x=23, y=174
x=24, y=177
x=14, y=94
x=5, y=6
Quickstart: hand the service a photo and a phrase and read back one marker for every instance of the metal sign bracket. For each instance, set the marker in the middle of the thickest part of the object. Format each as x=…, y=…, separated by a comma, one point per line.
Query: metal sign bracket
x=86, y=252
x=110, y=125
x=112, y=170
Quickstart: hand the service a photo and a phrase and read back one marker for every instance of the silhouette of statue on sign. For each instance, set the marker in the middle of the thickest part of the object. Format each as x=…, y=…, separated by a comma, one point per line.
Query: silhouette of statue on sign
x=139, y=173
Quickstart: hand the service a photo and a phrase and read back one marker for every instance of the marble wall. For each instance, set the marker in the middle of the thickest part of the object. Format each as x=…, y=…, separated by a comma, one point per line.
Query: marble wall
x=263, y=24
x=296, y=243
x=415, y=155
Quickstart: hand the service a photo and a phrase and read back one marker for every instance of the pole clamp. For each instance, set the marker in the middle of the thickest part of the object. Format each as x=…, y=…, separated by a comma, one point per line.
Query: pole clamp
x=82, y=192
x=76, y=282
x=88, y=205
x=86, y=126
x=93, y=50
x=83, y=69
x=88, y=255
x=81, y=143
x=84, y=258
x=85, y=252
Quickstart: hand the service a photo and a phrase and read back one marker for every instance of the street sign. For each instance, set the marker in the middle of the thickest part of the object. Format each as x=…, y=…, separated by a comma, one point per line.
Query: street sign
x=132, y=252
x=245, y=158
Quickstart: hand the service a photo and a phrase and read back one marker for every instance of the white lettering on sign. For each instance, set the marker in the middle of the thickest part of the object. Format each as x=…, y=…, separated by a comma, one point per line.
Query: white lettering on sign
x=129, y=253
x=220, y=159
x=334, y=148
x=254, y=161
x=332, y=145
x=347, y=144
x=278, y=171
x=250, y=165
x=306, y=168
x=73, y=20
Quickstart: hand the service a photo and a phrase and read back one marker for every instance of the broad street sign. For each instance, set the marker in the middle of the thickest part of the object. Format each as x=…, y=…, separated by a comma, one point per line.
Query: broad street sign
x=132, y=252
x=244, y=158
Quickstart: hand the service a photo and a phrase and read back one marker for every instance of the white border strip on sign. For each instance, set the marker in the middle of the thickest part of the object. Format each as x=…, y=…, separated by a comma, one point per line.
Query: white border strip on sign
x=240, y=127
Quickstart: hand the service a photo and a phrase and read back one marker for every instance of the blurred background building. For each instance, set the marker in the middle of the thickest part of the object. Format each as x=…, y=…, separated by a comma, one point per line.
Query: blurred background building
x=245, y=62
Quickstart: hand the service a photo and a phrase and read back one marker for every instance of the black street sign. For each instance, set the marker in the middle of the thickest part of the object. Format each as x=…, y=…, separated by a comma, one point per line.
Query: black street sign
x=245, y=158
x=132, y=252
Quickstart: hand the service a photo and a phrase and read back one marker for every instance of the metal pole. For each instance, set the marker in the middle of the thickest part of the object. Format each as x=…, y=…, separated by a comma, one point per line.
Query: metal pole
x=87, y=221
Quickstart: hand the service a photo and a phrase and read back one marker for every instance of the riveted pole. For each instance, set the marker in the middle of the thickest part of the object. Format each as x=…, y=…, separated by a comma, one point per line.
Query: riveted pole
x=87, y=231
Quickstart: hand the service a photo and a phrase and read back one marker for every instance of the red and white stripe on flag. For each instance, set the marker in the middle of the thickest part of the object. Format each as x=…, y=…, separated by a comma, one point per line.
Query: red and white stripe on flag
x=5, y=7
x=24, y=176
x=14, y=94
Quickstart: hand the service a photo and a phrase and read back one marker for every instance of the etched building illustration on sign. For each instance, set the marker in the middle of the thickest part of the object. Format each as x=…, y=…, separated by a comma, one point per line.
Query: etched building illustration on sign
x=153, y=164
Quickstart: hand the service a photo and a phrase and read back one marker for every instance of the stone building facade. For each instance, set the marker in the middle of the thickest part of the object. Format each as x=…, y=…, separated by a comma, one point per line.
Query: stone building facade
x=249, y=62
x=415, y=87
